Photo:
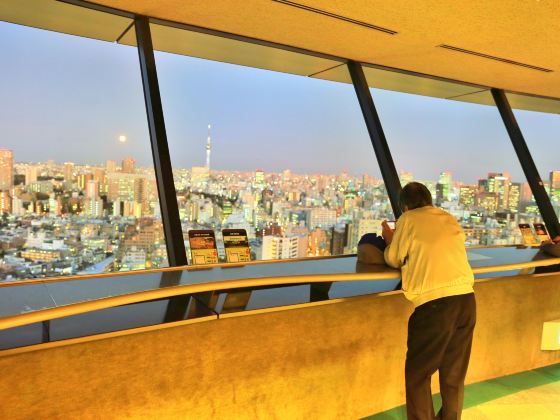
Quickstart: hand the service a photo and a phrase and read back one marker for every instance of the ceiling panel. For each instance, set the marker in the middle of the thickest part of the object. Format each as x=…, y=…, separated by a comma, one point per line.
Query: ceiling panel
x=521, y=31
x=201, y=45
x=402, y=82
x=526, y=32
x=533, y=103
x=65, y=18
x=516, y=101
x=481, y=97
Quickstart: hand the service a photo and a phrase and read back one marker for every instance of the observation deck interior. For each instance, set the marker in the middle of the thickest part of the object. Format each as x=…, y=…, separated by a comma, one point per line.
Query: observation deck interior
x=318, y=337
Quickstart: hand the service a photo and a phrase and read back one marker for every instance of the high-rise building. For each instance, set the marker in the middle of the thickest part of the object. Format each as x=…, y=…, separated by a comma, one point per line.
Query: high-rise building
x=17, y=206
x=259, y=178
x=490, y=181
x=514, y=196
x=55, y=205
x=68, y=171
x=141, y=192
x=488, y=201
x=443, y=187
x=101, y=178
x=554, y=180
x=121, y=186
x=94, y=207
x=117, y=208
x=499, y=183
x=92, y=190
x=284, y=247
x=99, y=175
x=339, y=238
x=467, y=195
x=440, y=194
x=526, y=193
x=5, y=202
x=6, y=170
x=31, y=172
x=111, y=166
x=128, y=165
x=445, y=177
x=83, y=179
x=267, y=199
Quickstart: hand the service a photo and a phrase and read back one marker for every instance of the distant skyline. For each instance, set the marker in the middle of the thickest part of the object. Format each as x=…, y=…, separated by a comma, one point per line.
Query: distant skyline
x=69, y=99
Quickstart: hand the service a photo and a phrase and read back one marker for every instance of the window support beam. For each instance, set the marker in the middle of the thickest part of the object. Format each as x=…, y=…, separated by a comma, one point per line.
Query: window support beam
x=529, y=168
x=377, y=136
x=176, y=253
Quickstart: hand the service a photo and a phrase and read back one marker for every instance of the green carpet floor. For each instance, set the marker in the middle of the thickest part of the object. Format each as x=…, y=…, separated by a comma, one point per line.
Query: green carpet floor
x=534, y=394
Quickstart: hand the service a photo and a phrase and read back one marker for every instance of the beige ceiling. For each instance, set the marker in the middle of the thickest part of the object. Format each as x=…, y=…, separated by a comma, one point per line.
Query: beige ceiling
x=62, y=17
x=525, y=31
x=522, y=31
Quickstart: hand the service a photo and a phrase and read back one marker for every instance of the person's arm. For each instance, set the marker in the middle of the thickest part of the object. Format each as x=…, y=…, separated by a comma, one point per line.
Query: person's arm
x=397, y=247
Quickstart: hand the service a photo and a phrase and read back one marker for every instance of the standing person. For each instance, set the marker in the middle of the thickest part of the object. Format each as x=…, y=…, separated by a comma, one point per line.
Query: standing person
x=428, y=246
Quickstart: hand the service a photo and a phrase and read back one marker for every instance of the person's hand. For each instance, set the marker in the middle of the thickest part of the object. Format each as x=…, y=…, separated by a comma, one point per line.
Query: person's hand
x=387, y=232
x=554, y=240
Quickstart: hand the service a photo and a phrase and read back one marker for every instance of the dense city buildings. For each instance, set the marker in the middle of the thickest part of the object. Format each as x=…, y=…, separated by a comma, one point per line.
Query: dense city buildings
x=72, y=218
x=69, y=218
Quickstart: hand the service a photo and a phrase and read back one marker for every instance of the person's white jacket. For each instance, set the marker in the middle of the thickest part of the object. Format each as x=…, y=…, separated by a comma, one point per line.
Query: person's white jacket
x=429, y=247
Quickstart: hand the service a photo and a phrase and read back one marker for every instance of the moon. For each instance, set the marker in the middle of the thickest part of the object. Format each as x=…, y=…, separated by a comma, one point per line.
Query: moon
x=122, y=139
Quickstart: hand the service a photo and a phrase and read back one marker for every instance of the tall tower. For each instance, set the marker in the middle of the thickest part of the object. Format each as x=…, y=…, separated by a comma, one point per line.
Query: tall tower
x=6, y=170
x=208, y=147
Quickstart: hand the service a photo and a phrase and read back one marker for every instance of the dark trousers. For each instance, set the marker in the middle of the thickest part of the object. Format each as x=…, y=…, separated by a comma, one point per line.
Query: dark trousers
x=439, y=338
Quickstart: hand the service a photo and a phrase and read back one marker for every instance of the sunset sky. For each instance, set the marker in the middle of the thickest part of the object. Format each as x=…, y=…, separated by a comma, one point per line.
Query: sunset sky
x=69, y=99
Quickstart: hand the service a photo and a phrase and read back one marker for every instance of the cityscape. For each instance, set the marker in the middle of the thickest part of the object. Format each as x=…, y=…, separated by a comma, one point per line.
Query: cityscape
x=64, y=214
x=66, y=218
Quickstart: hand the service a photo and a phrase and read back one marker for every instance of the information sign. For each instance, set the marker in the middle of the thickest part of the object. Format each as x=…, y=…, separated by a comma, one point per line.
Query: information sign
x=527, y=234
x=542, y=233
x=236, y=245
x=203, y=247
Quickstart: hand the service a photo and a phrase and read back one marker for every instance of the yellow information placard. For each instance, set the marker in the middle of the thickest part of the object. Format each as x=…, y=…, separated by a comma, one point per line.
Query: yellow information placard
x=203, y=247
x=542, y=233
x=527, y=234
x=236, y=245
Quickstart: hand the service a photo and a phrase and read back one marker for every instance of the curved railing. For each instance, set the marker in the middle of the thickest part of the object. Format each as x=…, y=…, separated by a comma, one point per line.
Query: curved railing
x=369, y=273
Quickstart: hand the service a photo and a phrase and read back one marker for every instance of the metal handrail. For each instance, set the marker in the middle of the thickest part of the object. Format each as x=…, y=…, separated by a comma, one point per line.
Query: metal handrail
x=85, y=277
x=82, y=277
x=137, y=297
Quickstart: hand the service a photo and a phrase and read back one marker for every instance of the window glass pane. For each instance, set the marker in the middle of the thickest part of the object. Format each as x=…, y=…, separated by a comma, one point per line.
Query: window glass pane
x=289, y=158
x=77, y=187
x=462, y=152
x=542, y=134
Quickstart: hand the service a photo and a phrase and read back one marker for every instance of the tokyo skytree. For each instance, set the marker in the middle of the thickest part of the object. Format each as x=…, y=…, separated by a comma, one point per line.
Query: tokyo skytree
x=208, y=147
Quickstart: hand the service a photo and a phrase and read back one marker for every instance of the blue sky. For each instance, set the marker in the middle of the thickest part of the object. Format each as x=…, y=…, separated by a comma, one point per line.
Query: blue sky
x=69, y=98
